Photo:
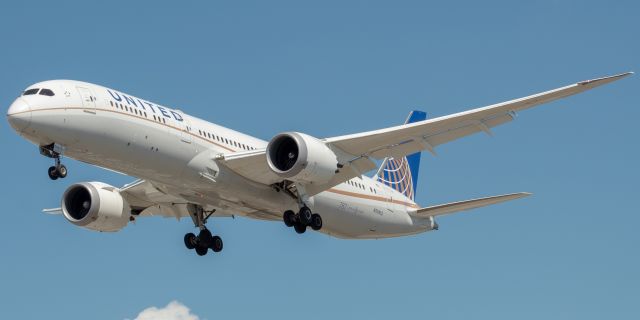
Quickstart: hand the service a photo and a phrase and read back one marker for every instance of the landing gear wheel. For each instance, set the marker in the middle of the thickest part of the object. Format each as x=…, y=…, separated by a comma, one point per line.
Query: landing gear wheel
x=62, y=171
x=205, y=238
x=216, y=244
x=190, y=240
x=305, y=215
x=53, y=173
x=300, y=228
x=201, y=250
x=316, y=222
x=289, y=218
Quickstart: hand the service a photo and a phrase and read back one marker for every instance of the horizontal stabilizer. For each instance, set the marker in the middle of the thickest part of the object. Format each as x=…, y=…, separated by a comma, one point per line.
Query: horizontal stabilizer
x=453, y=207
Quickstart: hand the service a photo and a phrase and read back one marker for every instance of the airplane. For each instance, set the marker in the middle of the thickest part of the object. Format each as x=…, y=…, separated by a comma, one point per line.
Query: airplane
x=189, y=167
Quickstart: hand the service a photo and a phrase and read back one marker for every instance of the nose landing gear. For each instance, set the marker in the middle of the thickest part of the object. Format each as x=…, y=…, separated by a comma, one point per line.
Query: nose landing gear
x=57, y=171
x=204, y=240
x=54, y=151
x=303, y=219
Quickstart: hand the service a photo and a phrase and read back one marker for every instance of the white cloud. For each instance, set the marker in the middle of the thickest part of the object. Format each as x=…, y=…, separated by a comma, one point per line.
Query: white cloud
x=173, y=311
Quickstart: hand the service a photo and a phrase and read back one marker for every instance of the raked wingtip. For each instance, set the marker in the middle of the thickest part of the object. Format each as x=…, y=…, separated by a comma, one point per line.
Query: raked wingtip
x=607, y=79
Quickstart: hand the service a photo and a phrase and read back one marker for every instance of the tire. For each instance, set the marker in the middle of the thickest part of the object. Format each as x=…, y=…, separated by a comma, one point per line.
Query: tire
x=300, y=228
x=190, y=240
x=53, y=173
x=62, y=171
x=305, y=215
x=289, y=218
x=216, y=244
x=201, y=251
x=316, y=222
x=205, y=238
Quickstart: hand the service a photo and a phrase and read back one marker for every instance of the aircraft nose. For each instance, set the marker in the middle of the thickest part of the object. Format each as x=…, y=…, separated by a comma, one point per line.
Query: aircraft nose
x=19, y=115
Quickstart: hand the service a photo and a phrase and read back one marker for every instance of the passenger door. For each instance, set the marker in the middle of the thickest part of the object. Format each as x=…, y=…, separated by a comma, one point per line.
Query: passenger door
x=185, y=131
x=88, y=99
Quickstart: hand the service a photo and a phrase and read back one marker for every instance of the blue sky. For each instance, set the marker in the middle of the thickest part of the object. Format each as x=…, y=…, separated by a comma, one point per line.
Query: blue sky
x=330, y=68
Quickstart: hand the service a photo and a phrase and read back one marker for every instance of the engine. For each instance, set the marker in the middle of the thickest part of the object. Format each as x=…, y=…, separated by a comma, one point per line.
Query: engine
x=96, y=206
x=301, y=158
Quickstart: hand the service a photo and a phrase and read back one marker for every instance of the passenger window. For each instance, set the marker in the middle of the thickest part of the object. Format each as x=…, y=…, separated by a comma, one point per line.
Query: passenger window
x=30, y=92
x=47, y=92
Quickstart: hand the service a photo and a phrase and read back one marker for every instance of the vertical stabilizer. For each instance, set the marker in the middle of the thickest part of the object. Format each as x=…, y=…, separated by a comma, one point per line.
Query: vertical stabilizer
x=402, y=174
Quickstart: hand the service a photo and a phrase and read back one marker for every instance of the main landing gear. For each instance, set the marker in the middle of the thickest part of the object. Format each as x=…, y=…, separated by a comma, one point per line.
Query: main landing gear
x=204, y=240
x=303, y=219
x=54, y=151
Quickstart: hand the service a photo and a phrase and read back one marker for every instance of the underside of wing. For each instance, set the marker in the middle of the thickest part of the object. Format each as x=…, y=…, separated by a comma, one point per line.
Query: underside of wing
x=148, y=198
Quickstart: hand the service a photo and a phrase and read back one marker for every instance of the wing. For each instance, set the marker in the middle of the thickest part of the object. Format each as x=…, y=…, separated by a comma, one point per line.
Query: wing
x=149, y=199
x=406, y=139
x=454, y=207
x=426, y=135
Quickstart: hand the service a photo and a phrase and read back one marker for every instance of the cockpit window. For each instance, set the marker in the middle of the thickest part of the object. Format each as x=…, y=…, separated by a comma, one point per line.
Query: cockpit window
x=30, y=91
x=47, y=92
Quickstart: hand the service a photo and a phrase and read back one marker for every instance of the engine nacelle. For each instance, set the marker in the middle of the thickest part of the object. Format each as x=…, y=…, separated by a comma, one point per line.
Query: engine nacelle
x=301, y=158
x=96, y=206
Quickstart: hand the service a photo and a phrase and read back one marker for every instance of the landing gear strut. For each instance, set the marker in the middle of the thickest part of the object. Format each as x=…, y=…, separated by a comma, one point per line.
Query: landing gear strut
x=303, y=219
x=204, y=240
x=54, y=151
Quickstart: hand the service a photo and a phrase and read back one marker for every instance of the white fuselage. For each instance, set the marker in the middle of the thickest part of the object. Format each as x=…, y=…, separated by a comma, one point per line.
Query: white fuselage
x=120, y=132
